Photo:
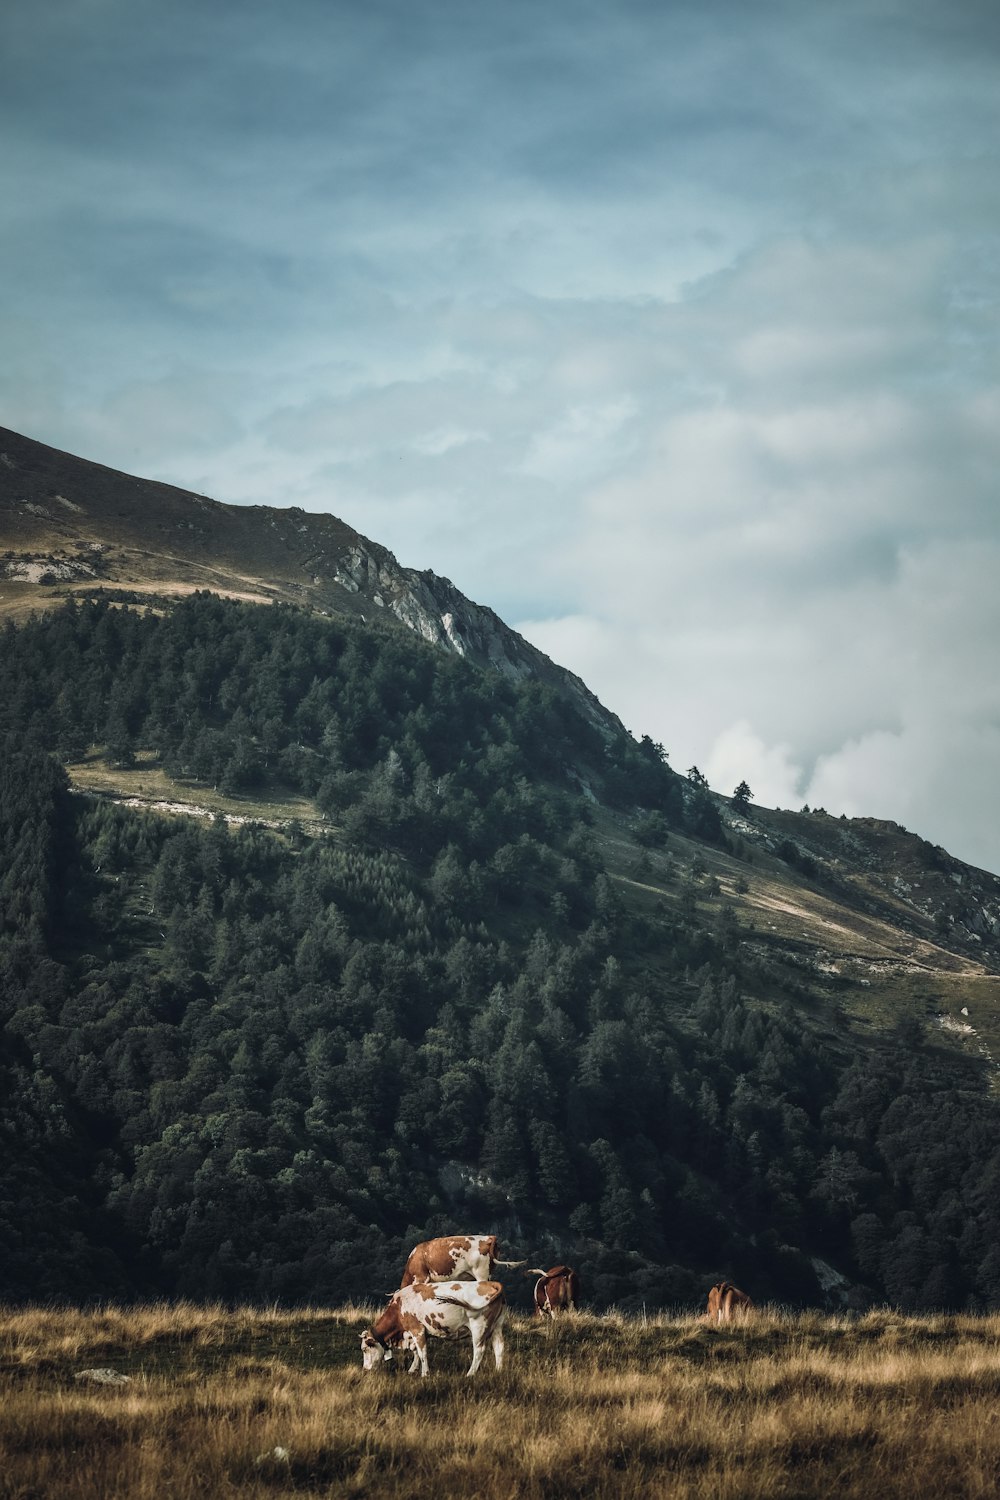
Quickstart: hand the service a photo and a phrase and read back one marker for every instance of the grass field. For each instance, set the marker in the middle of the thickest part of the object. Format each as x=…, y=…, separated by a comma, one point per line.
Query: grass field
x=275, y=1404
x=149, y=787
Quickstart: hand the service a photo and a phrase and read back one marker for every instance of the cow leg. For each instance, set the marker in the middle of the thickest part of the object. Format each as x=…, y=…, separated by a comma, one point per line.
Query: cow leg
x=477, y=1335
x=497, y=1342
x=419, y=1347
x=411, y=1347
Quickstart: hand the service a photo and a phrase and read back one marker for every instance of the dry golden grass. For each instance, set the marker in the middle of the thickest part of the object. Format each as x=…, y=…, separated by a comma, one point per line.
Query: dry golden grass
x=149, y=785
x=251, y=1403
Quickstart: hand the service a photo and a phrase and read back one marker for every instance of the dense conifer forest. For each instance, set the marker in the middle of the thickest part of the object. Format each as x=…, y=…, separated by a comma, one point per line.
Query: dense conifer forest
x=243, y=1062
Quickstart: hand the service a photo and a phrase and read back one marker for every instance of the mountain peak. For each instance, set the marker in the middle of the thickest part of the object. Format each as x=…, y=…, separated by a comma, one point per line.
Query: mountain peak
x=68, y=526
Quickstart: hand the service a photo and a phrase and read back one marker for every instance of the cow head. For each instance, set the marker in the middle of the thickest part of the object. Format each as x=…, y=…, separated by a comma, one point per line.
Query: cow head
x=372, y=1351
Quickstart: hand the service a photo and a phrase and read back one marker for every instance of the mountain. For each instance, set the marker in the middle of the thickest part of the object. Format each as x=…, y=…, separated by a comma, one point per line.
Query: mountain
x=68, y=526
x=319, y=936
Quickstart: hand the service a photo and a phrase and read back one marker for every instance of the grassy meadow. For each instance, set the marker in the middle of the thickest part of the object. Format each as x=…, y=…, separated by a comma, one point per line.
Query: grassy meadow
x=274, y=1404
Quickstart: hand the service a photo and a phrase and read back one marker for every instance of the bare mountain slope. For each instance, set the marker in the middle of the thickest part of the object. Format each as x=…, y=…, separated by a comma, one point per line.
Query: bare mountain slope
x=68, y=526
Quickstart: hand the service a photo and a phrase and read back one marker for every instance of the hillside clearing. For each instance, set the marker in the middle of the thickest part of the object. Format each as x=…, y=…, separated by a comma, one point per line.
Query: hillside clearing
x=147, y=786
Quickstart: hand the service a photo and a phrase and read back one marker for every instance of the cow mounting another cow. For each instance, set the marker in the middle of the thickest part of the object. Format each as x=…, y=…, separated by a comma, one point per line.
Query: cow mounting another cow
x=454, y=1257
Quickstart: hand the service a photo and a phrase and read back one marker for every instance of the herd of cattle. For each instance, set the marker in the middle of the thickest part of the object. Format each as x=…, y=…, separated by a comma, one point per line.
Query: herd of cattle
x=448, y=1292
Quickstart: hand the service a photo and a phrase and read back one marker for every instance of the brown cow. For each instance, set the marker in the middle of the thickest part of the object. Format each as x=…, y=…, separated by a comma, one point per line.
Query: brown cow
x=447, y=1311
x=454, y=1257
x=725, y=1302
x=556, y=1290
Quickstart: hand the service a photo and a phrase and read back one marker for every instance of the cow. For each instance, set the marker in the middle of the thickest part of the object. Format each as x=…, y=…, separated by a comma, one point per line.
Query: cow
x=725, y=1302
x=447, y=1310
x=454, y=1257
x=556, y=1290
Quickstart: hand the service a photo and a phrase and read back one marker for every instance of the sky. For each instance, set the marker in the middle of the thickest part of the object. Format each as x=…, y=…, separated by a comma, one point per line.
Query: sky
x=668, y=330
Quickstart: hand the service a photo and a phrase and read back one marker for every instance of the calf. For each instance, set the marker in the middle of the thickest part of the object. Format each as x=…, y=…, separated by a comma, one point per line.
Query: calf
x=725, y=1302
x=454, y=1256
x=556, y=1290
x=440, y=1311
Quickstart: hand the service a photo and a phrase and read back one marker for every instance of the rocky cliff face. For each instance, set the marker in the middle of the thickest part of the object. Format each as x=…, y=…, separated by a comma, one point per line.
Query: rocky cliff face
x=67, y=524
x=435, y=609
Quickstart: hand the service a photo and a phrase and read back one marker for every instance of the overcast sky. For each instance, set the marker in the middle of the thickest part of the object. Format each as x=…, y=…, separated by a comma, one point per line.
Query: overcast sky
x=669, y=330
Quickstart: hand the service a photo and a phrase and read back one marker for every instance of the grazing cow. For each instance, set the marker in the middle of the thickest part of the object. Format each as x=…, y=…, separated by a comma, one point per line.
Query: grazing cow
x=454, y=1257
x=448, y=1310
x=725, y=1302
x=556, y=1290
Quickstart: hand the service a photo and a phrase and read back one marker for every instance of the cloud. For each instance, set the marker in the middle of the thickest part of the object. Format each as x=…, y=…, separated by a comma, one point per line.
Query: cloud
x=180, y=409
x=582, y=442
x=667, y=331
x=442, y=439
x=739, y=754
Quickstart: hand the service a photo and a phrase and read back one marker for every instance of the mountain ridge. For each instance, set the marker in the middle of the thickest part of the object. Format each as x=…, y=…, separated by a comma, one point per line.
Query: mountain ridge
x=68, y=525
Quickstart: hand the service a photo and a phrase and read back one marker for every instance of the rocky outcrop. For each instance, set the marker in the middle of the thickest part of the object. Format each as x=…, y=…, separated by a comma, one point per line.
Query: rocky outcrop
x=881, y=868
x=433, y=608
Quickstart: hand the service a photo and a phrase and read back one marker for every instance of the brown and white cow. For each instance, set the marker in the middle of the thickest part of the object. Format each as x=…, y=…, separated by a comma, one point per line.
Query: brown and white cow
x=454, y=1256
x=725, y=1302
x=448, y=1310
x=556, y=1290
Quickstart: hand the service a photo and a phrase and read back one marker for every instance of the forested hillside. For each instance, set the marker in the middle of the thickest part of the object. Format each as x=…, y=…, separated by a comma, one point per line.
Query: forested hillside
x=249, y=1062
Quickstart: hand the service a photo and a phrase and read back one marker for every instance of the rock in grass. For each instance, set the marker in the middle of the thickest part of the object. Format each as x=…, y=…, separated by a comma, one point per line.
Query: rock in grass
x=103, y=1377
x=274, y=1455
